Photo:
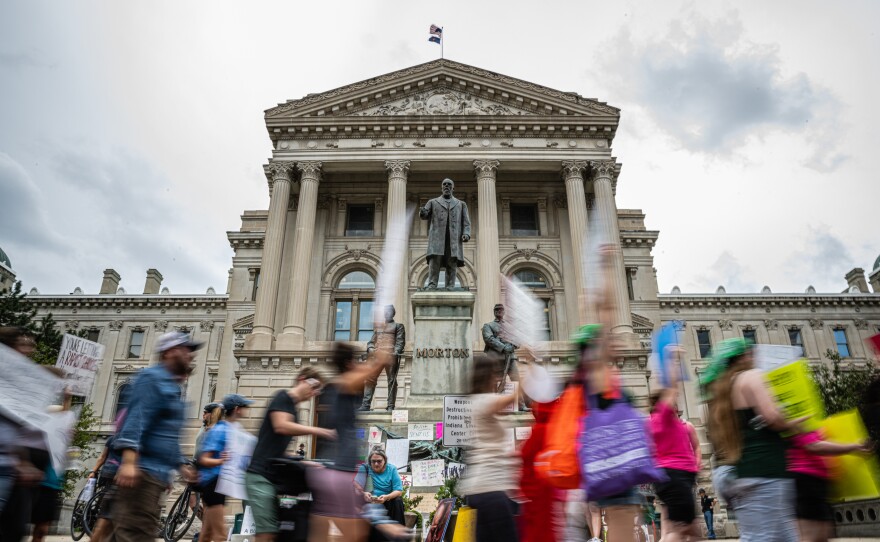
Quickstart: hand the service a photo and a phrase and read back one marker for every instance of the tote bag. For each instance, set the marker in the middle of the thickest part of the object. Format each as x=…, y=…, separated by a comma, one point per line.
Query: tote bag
x=614, y=450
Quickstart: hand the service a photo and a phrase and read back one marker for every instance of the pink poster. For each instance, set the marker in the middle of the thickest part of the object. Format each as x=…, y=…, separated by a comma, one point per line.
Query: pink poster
x=439, y=430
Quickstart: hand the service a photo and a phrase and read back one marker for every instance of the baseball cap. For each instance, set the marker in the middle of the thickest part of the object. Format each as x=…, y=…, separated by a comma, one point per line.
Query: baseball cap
x=172, y=339
x=235, y=400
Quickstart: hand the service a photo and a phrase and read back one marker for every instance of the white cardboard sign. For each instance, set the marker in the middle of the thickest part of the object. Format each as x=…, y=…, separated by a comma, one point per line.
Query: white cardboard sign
x=428, y=473
x=421, y=431
x=458, y=426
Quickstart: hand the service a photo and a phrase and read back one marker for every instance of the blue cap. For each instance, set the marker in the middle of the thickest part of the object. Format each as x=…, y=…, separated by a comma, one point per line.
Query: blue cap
x=233, y=400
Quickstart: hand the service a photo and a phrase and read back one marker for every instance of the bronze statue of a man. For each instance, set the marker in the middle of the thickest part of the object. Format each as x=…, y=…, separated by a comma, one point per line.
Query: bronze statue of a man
x=449, y=227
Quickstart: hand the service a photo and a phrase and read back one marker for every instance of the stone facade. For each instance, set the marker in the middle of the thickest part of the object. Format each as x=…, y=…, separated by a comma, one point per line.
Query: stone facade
x=535, y=167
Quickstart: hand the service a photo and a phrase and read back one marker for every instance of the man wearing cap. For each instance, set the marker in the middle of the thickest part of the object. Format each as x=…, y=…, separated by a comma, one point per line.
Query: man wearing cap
x=149, y=439
x=503, y=349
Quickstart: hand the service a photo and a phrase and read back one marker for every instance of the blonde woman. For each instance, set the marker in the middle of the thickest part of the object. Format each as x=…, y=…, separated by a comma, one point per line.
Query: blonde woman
x=745, y=427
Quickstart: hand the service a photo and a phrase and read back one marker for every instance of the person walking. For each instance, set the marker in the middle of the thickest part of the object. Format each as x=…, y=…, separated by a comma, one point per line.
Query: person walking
x=489, y=480
x=149, y=439
x=674, y=453
x=380, y=483
x=278, y=428
x=707, y=505
x=745, y=427
x=212, y=454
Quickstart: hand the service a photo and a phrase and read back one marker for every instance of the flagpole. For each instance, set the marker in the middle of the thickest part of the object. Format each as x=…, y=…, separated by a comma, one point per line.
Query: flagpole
x=442, y=42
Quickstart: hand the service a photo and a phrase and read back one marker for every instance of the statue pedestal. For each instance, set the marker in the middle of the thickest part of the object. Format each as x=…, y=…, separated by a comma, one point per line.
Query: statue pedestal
x=442, y=355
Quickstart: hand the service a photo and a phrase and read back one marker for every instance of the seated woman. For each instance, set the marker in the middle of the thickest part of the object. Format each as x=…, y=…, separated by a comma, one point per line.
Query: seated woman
x=383, y=486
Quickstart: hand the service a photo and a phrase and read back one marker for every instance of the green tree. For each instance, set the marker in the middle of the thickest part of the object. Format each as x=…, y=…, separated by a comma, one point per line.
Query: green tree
x=843, y=385
x=15, y=310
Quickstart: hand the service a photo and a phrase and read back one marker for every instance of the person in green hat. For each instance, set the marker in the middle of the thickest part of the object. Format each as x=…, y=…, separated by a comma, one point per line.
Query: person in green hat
x=745, y=427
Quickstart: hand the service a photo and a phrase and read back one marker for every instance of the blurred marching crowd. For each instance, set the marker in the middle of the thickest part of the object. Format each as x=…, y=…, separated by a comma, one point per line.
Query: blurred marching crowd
x=595, y=467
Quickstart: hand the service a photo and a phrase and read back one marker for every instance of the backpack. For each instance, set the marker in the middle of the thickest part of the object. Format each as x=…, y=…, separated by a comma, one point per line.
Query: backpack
x=558, y=462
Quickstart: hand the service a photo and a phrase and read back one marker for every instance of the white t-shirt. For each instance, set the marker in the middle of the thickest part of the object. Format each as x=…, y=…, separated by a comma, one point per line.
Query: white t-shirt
x=490, y=465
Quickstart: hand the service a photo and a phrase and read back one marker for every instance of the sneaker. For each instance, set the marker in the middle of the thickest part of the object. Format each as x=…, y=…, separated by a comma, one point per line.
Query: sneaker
x=594, y=539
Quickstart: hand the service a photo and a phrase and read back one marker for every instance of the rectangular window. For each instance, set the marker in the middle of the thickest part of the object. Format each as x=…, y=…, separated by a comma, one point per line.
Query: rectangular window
x=544, y=333
x=365, y=321
x=796, y=339
x=256, y=285
x=360, y=221
x=704, y=342
x=523, y=219
x=629, y=283
x=93, y=335
x=136, y=344
x=842, y=344
x=342, y=329
x=750, y=335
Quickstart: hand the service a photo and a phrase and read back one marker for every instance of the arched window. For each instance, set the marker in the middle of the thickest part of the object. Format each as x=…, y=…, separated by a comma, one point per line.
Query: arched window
x=353, y=303
x=441, y=280
x=536, y=281
x=122, y=398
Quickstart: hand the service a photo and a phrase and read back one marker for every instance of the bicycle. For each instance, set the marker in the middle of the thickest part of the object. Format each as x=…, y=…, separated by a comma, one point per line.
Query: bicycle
x=77, y=525
x=92, y=508
x=182, y=514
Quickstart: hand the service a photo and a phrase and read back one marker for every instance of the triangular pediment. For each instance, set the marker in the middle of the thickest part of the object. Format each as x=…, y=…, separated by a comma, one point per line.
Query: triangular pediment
x=442, y=87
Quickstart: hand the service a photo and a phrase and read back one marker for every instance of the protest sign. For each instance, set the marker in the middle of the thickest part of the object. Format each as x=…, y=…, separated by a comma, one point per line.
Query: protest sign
x=248, y=526
x=458, y=427
x=397, y=450
x=421, y=431
x=455, y=470
x=510, y=389
x=80, y=360
x=438, y=430
x=406, y=480
x=240, y=445
x=854, y=476
x=428, y=473
x=59, y=433
x=524, y=432
x=437, y=529
x=399, y=416
x=773, y=356
x=797, y=394
x=523, y=316
x=375, y=435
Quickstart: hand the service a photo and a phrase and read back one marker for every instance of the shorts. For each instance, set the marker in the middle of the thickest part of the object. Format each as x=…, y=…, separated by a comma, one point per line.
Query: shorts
x=677, y=494
x=46, y=505
x=627, y=498
x=334, y=493
x=812, y=498
x=209, y=493
x=263, y=501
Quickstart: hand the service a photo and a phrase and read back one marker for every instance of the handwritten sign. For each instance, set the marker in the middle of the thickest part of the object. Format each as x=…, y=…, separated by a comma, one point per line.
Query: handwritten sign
x=397, y=450
x=399, y=416
x=428, y=473
x=421, y=431
x=240, y=445
x=510, y=388
x=524, y=432
x=458, y=424
x=797, y=394
x=375, y=435
x=438, y=433
x=455, y=470
x=80, y=360
x=773, y=356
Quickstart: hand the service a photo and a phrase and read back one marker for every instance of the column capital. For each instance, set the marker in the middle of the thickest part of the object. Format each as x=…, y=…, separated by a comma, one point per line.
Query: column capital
x=397, y=167
x=486, y=167
x=310, y=171
x=573, y=169
x=603, y=168
x=280, y=170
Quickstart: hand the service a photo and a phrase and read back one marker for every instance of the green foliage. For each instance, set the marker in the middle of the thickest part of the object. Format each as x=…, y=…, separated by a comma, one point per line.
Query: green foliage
x=449, y=491
x=410, y=504
x=14, y=310
x=843, y=385
x=84, y=437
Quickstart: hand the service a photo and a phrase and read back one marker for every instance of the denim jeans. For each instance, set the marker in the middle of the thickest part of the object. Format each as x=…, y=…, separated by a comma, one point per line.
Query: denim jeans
x=765, y=509
x=7, y=481
x=710, y=524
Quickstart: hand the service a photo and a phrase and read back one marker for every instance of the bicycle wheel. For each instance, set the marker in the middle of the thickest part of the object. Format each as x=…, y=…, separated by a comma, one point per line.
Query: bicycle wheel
x=92, y=508
x=77, y=527
x=180, y=518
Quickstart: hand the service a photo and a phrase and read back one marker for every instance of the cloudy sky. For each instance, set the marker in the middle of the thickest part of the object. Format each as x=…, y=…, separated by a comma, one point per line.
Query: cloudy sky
x=132, y=136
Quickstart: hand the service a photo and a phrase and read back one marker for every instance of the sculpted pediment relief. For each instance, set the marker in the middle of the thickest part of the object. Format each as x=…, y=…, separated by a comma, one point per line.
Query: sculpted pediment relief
x=442, y=101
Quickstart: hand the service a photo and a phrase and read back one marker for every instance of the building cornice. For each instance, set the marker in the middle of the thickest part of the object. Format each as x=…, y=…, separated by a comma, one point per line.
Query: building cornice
x=128, y=301
x=246, y=239
x=767, y=300
x=639, y=237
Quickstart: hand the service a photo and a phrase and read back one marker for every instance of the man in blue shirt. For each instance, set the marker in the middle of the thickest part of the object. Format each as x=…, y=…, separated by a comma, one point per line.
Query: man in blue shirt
x=148, y=439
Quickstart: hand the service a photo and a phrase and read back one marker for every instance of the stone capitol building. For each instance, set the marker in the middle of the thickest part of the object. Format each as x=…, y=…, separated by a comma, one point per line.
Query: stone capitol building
x=536, y=169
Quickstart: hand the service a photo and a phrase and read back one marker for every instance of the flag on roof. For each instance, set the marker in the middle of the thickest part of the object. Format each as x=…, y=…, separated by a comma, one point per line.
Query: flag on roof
x=436, y=30
x=435, y=39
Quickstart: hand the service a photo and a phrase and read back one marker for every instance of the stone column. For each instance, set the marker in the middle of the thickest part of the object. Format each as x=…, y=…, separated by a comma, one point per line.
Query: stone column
x=294, y=332
x=488, y=264
x=573, y=173
x=270, y=268
x=396, y=217
x=603, y=172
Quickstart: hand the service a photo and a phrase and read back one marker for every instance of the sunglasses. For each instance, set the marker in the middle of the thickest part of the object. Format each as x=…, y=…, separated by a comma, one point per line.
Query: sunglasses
x=377, y=461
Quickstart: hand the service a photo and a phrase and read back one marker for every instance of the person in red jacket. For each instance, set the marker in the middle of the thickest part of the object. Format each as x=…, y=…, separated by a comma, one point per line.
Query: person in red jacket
x=543, y=510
